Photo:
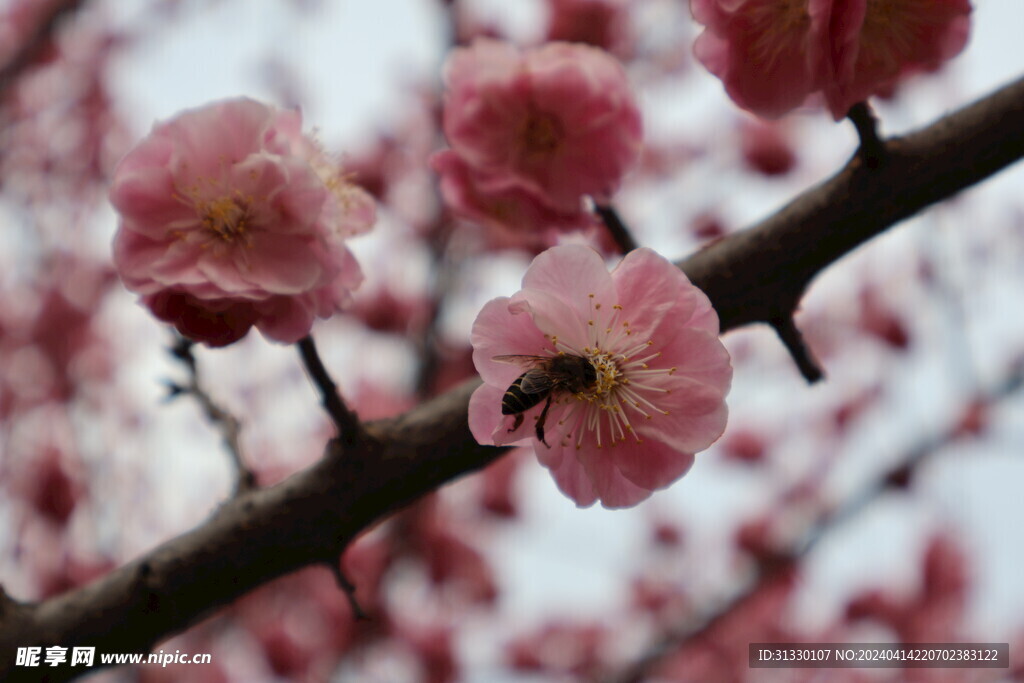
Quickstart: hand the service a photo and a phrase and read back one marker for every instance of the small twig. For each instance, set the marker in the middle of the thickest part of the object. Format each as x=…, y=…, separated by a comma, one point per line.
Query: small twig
x=344, y=419
x=794, y=343
x=349, y=589
x=618, y=230
x=230, y=426
x=872, y=149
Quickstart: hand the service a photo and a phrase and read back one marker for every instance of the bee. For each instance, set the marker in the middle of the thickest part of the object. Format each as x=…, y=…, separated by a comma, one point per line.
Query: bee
x=546, y=377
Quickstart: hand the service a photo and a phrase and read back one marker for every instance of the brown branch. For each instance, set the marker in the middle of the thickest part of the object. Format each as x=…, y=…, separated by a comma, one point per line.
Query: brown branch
x=798, y=349
x=757, y=275
x=872, y=148
x=760, y=274
x=253, y=538
x=620, y=234
x=345, y=421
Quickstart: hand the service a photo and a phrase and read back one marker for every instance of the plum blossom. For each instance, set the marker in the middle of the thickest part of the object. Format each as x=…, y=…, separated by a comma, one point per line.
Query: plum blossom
x=601, y=23
x=509, y=211
x=660, y=373
x=771, y=55
x=873, y=44
x=767, y=53
x=545, y=126
x=231, y=218
x=766, y=147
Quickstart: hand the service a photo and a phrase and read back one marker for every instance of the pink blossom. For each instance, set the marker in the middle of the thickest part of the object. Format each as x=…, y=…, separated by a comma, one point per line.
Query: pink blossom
x=231, y=218
x=511, y=211
x=558, y=121
x=874, y=44
x=766, y=148
x=569, y=650
x=772, y=54
x=660, y=374
x=766, y=52
x=601, y=23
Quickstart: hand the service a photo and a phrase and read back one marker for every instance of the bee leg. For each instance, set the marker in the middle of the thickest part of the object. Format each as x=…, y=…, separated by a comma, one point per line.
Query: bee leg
x=541, y=420
x=517, y=424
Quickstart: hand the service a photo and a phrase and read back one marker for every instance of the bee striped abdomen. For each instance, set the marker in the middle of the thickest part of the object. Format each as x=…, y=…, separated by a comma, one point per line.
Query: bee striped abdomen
x=516, y=400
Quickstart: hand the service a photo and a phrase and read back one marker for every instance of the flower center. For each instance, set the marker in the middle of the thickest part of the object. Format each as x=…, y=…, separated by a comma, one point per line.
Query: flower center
x=893, y=31
x=777, y=25
x=608, y=375
x=225, y=217
x=541, y=135
x=626, y=389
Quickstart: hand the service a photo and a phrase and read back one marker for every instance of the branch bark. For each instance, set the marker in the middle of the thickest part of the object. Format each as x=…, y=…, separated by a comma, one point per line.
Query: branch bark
x=757, y=275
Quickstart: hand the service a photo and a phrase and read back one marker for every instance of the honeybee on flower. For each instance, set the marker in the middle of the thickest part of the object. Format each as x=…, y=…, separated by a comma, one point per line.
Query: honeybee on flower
x=652, y=391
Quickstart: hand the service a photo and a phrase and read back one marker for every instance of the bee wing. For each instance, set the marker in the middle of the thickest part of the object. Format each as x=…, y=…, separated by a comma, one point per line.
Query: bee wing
x=536, y=382
x=520, y=359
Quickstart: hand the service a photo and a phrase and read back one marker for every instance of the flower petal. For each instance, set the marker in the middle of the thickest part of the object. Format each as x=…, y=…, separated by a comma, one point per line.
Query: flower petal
x=696, y=417
x=648, y=285
x=611, y=486
x=284, y=319
x=571, y=273
x=554, y=318
x=572, y=479
x=699, y=356
x=650, y=464
x=497, y=331
x=483, y=418
x=280, y=264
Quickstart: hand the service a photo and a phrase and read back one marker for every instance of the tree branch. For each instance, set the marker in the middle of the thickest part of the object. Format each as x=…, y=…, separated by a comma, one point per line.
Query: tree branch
x=620, y=234
x=872, y=149
x=760, y=273
x=757, y=275
x=345, y=421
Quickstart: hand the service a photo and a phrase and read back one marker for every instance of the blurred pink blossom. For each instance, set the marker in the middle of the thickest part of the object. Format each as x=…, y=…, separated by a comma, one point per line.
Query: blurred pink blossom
x=434, y=646
x=579, y=650
x=766, y=52
x=766, y=148
x=601, y=23
x=772, y=54
x=934, y=611
x=231, y=218
x=660, y=372
x=558, y=121
x=497, y=482
x=512, y=211
x=449, y=558
x=745, y=445
x=872, y=45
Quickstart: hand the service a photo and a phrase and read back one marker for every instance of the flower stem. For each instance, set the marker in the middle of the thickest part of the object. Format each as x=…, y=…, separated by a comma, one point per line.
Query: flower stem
x=344, y=419
x=230, y=426
x=349, y=589
x=618, y=230
x=794, y=343
x=872, y=149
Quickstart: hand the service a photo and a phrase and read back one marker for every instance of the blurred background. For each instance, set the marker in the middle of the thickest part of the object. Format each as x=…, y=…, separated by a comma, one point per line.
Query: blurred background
x=878, y=506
